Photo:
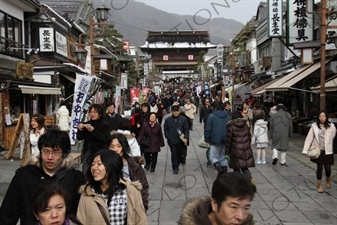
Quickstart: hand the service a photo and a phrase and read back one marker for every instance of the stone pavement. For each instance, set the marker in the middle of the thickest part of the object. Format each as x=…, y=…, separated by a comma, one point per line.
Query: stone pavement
x=285, y=195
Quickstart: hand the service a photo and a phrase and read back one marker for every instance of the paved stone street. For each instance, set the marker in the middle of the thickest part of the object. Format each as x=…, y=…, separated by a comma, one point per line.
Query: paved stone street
x=286, y=195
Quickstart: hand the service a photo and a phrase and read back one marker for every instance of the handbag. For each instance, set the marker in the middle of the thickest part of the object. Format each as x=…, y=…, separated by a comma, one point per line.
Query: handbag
x=314, y=152
x=146, y=142
x=103, y=213
x=202, y=143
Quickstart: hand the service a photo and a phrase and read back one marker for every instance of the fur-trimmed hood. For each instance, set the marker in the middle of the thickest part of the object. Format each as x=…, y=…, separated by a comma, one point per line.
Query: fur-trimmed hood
x=238, y=121
x=126, y=133
x=35, y=160
x=196, y=212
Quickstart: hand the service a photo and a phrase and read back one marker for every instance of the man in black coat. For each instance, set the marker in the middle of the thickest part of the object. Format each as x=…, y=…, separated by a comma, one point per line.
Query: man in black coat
x=52, y=164
x=111, y=116
x=205, y=111
x=177, y=133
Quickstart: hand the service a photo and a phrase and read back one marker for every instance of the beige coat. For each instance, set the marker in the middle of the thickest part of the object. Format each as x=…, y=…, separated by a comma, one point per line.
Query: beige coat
x=89, y=213
x=190, y=110
x=313, y=138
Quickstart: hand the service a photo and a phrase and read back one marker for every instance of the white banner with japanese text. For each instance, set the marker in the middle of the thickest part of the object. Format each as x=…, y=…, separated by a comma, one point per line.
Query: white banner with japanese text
x=124, y=81
x=117, y=97
x=84, y=93
x=275, y=18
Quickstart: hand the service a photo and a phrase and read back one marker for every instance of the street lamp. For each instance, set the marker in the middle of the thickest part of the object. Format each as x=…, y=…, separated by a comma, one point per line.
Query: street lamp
x=102, y=15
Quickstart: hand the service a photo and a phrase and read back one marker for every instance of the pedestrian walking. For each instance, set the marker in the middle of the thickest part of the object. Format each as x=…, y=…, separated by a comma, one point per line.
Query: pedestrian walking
x=151, y=131
x=108, y=198
x=281, y=129
x=132, y=166
x=229, y=203
x=161, y=111
x=247, y=113
x=124, y=127
x=143, y=117
x=238, y=145
x=52, y=163
x=322, y=134
x=228, y=108
x=205, y=111
x=62, y=117
x=260, y=139
x=182, y=111
x=176, y=131
x=37, y=128
x=111, y=116
x=215, y=137
x=50, y=206
x=258, y=112
x=191, y=110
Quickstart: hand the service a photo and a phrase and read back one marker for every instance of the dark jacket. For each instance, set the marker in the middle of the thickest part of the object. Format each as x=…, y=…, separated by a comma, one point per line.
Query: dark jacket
x=161, y=107
x=18, y=201
x=171, y=126
x=238, y=145
x=188, y=119
x=96, y=140
x=137, y=172
x=156, y=135
x=204, y=113
x=196, y=212
x=216, y=129
x=112, y=120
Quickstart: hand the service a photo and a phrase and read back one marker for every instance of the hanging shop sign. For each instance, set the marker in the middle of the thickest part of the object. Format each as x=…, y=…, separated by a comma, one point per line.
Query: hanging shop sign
x=275, y=21
x=47, y=43
x=300, y=23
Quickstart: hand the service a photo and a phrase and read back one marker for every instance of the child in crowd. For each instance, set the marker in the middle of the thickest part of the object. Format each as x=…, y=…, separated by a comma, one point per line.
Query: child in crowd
x=260, y=138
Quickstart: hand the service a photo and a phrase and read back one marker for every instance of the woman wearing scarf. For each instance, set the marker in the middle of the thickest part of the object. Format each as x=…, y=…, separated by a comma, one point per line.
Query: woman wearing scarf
x=152, y=130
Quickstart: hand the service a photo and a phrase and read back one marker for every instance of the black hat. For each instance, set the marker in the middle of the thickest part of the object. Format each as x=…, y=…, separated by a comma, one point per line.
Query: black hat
x=175, y=108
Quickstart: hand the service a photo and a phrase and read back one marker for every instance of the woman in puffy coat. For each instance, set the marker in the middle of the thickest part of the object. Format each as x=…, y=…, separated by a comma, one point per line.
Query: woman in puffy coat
x=238, y=144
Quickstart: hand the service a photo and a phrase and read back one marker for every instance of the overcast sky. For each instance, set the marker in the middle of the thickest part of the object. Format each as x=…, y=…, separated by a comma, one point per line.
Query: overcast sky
x=241, y=11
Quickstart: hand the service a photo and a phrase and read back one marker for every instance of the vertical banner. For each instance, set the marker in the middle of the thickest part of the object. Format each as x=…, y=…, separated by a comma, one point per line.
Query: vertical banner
x=84, y=93
x=117, y=97
x=207, y=90
x=275, y=15
x=157, y=90
x=143, y=95
x=300, y=23
x=124, y=81
x=134, y=95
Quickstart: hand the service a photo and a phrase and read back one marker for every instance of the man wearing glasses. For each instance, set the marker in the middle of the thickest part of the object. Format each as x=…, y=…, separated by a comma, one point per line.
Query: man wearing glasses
x=52, y=163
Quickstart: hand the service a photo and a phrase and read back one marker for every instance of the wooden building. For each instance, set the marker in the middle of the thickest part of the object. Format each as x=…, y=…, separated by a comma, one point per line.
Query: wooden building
x=177, y=53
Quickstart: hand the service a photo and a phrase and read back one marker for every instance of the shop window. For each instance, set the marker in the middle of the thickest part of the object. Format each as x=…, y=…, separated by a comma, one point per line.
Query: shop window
x=10, y=35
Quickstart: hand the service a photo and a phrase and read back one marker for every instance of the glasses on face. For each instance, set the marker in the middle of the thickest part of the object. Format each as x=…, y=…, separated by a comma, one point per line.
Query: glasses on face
x=45, y=152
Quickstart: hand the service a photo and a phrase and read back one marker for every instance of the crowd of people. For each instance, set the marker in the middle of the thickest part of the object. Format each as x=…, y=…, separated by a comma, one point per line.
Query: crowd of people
x=112, y=187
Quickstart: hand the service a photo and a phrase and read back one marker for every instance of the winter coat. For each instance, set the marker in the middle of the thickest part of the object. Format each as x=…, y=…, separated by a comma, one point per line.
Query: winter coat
x=190, y=110
x=216, y=129
x=34, y=139
x=172, y=124
x=63, y=118
x=256, y=113
x=112, y=120
x=161, y=107
x=238, y=144
x=96, y=140
x=260, y=134
x=281, y=129
x=204, y=113
x=134, y=146
x=155, y=134
x=89, y=213
x=272, y=110
x=196, y=212
x=313, y=138
x=188, y=119
x=18, y=201
x=137, y=173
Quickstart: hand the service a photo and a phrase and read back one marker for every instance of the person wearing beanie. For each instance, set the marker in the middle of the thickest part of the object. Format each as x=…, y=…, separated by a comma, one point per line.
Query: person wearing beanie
x=177, y=133
x=52, y=163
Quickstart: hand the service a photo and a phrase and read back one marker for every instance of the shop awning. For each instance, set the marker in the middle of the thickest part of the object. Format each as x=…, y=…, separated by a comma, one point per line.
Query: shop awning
x=71, y=79
x=291, y=79
x=39, y=90
x=261, y=89
x=330, y=85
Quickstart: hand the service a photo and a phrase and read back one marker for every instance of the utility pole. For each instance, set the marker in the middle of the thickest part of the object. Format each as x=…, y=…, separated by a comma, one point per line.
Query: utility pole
x=323, y=40
x=233, y=77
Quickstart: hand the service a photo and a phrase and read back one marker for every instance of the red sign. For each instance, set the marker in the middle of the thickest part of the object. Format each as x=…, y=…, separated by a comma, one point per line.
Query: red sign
x=134, y=95
x=126, y=45
x=190, y=57
x=165, y=57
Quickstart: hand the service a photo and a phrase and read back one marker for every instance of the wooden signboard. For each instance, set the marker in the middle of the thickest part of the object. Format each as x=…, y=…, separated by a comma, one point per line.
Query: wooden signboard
x=23, y=123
